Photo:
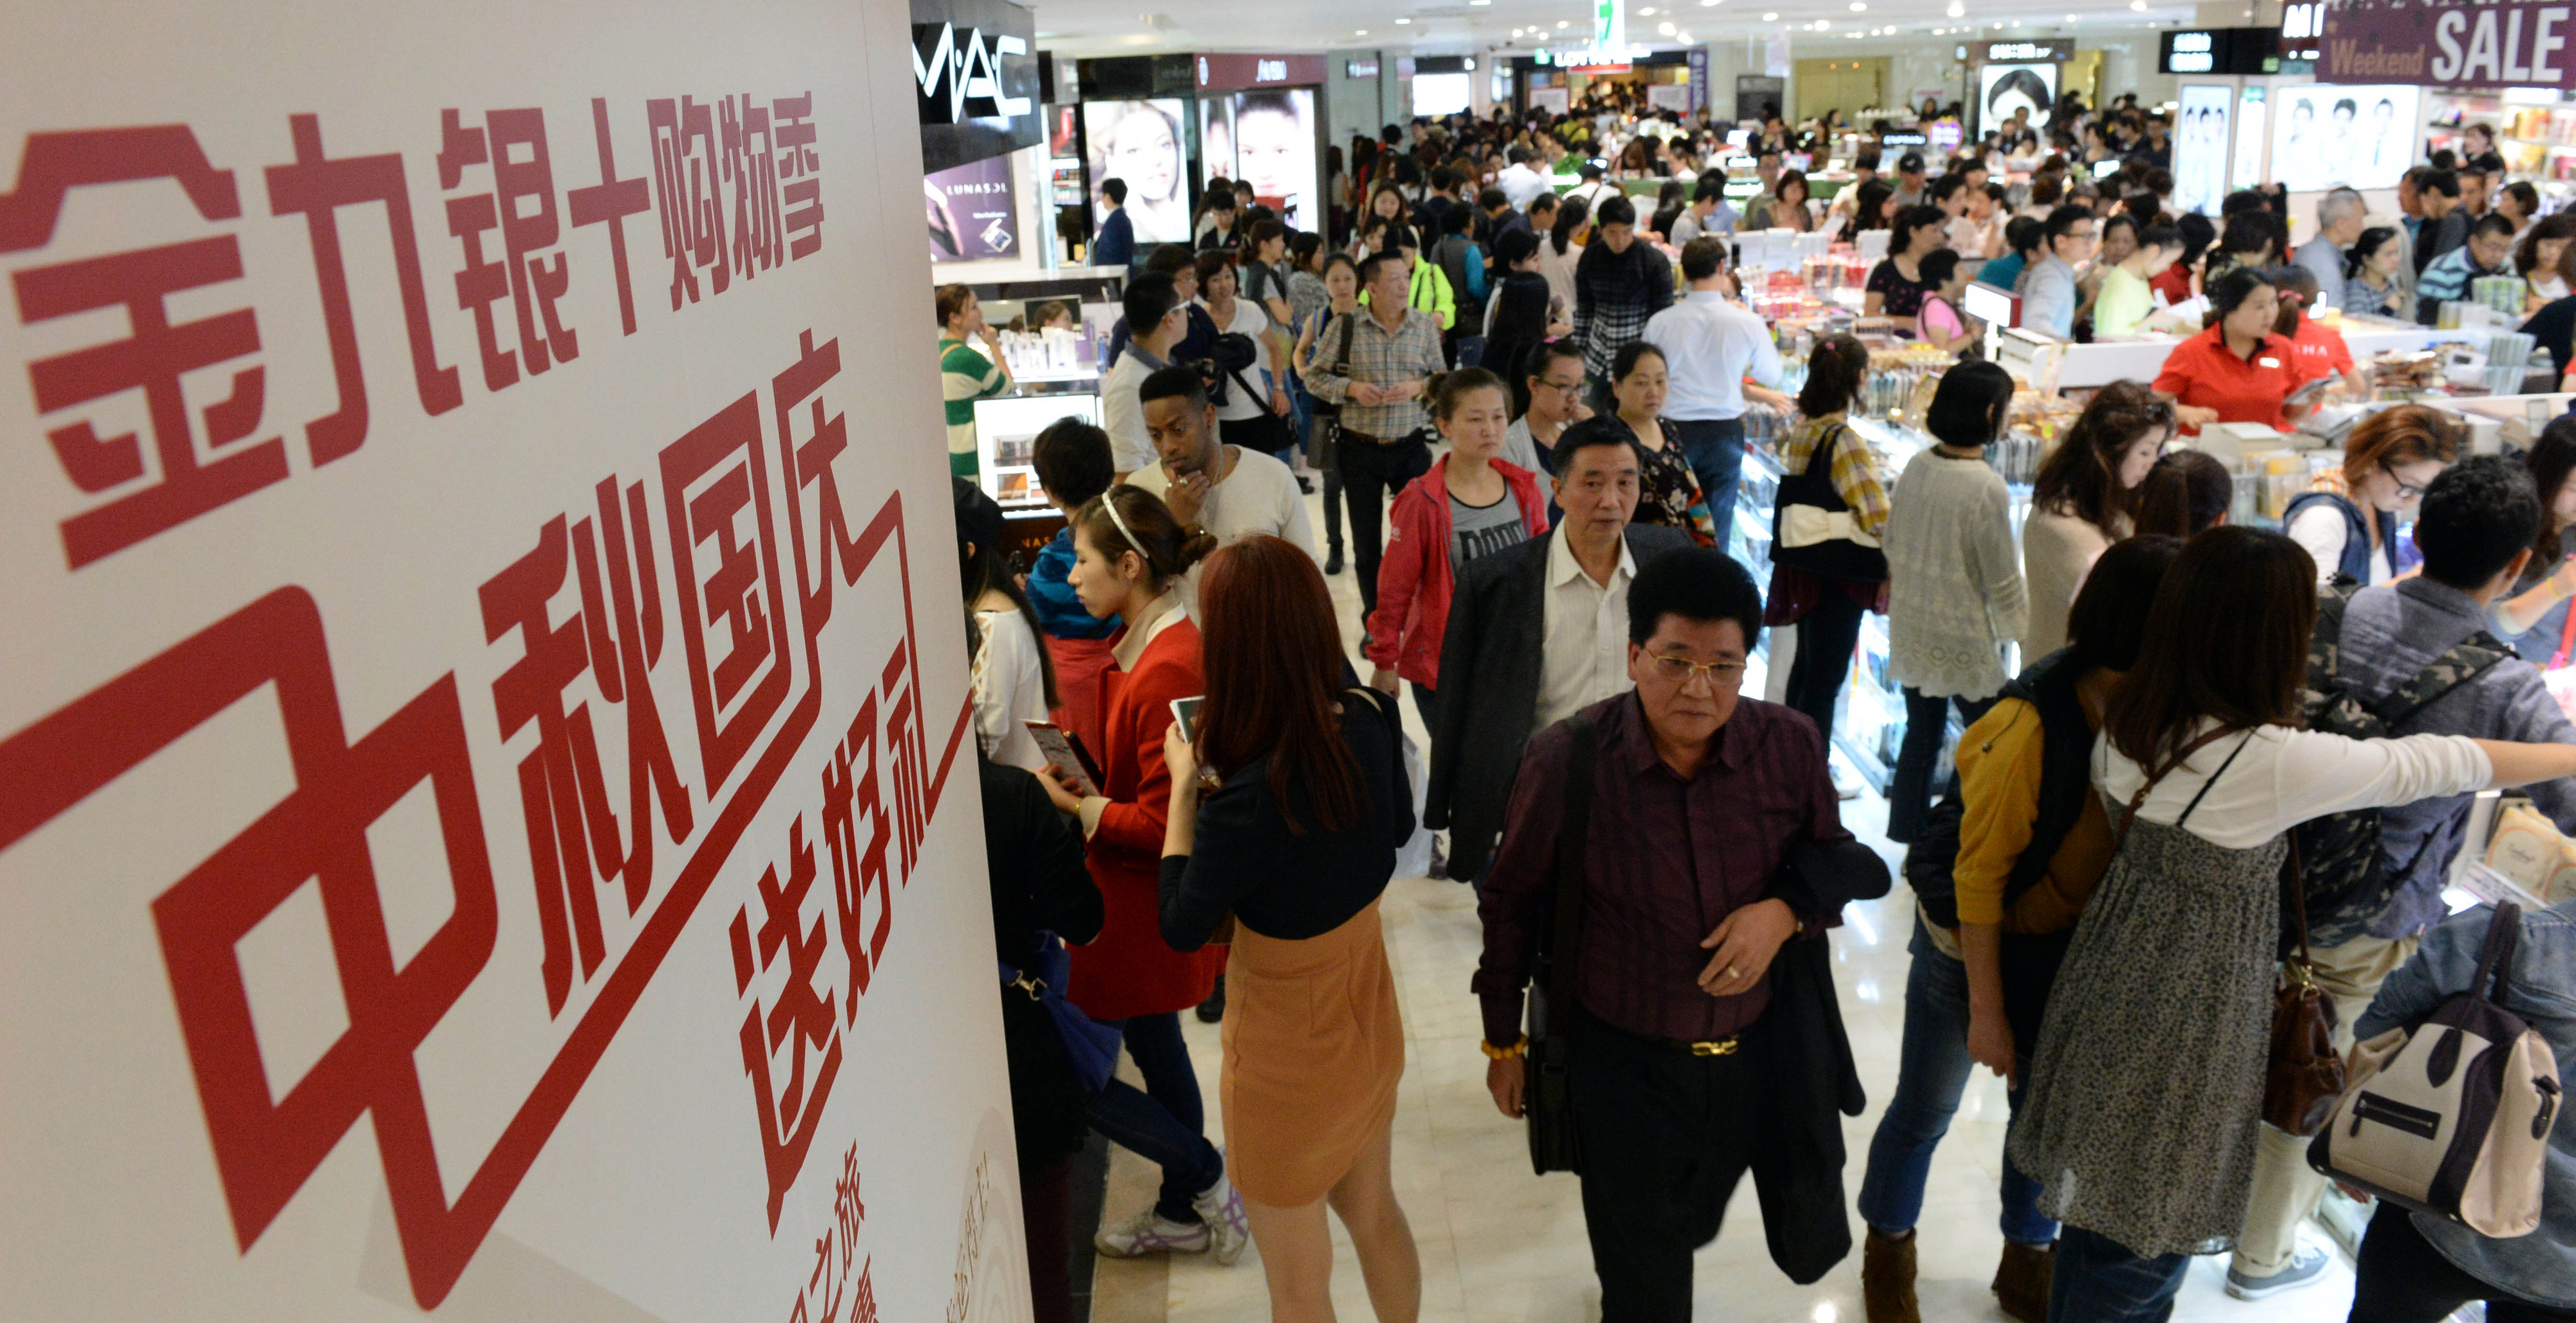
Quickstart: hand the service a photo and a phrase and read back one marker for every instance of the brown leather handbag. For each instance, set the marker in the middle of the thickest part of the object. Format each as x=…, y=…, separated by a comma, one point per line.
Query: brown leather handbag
x=2304, y=1078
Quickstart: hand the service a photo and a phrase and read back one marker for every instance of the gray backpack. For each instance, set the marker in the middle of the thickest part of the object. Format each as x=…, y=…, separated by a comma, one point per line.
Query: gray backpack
x=2451, y=1116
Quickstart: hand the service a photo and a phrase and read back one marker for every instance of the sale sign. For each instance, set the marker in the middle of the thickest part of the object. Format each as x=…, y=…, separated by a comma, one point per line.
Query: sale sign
x=2448, y=44
x=487, y=819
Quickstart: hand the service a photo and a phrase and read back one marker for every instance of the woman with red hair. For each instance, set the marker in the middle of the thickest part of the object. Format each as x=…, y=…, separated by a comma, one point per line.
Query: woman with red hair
x=1286, y=813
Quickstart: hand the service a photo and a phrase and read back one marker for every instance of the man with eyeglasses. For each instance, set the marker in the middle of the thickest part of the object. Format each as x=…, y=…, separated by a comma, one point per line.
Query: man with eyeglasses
x=1711, y=344
x=2048, y=293
x=1696, y=1056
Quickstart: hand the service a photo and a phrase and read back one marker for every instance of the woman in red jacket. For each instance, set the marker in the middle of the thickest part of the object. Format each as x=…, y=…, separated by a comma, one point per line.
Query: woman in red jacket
x=1128, y=553
x=1469, y=505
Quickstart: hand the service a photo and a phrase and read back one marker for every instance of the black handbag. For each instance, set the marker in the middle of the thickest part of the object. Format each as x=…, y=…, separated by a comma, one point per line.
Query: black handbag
x=1812, y=488
x=1547, y=1096
x=1265, y=431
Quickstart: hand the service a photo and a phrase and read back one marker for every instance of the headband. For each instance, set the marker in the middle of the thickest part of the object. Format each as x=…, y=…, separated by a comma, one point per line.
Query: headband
x=1121, y=522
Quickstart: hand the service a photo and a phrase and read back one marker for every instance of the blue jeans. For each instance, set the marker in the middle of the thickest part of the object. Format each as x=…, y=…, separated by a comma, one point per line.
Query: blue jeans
x=1932, y=1070
x=1715, y=449
x=1165, y=1123
x=2097, y=1280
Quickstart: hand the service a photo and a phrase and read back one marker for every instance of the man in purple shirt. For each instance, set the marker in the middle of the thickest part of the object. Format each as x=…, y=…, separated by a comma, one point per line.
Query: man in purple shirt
x=1696, y=1057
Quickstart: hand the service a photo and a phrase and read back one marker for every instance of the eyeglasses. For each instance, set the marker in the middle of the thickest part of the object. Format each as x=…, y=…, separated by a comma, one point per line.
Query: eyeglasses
x=2406, y=491
x=1679, y=670
x=1556, y=385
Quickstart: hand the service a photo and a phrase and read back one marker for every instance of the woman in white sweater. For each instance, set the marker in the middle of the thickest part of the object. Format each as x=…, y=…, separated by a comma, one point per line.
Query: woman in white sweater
x=2139, y=1118
x=2084, y=499
x=1954, y=586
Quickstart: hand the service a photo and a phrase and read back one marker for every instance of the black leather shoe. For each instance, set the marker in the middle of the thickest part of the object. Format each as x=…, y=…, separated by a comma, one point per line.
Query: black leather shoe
x=1333, y=561
x=1213, y=1009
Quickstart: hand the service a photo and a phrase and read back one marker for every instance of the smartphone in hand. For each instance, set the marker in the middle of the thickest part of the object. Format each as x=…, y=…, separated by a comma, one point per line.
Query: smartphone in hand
x=1065, y=752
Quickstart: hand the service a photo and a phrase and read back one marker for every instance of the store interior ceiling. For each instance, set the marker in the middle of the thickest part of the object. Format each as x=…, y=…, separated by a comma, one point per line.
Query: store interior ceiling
x=1465, y=27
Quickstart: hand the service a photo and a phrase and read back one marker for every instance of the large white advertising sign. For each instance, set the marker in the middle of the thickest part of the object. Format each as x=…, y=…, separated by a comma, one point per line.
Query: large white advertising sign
x=484, y=822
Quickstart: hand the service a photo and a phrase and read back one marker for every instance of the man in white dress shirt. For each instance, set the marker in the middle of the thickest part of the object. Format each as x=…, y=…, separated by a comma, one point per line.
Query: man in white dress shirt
x=1710, y=344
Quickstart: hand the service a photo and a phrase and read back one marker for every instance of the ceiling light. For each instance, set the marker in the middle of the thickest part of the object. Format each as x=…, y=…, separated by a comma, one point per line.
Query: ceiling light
x=1957, y=10
x=2139, y=5
x=1770, y=18
x=1664, y=28
x=1402, y=21
x=1363, y=32
x=1480, y=3
x=1857, y=6
x=1562, y=25
x=1647, y=12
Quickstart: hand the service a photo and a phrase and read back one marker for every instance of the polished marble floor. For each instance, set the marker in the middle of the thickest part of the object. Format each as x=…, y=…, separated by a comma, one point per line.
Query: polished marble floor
x=1500, y=1245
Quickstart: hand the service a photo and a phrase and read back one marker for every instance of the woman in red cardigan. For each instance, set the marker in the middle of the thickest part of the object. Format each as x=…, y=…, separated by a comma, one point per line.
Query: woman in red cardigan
x=1128, y=553
x=1468, y=506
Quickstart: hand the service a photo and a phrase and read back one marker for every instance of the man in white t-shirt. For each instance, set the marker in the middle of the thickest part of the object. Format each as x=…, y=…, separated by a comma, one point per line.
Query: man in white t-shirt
x=1226, y=491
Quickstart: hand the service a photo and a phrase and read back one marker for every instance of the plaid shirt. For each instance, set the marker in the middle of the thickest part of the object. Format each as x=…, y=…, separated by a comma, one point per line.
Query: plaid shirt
x=1614, y=296
x=1855, y=471
x=1380, y=358
x=2447, y=280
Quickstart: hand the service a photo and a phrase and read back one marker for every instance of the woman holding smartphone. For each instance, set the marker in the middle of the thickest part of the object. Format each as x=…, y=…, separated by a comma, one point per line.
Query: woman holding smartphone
x=1286, y=814
x=1128, y=557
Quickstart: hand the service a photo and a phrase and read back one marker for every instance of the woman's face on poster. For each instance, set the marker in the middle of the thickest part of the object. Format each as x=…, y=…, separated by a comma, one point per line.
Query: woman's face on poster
x=1271, y=149
x=1141, y=152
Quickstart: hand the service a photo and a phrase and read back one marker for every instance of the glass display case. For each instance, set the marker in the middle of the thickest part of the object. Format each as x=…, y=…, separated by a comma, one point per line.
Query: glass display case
x=1006, y=433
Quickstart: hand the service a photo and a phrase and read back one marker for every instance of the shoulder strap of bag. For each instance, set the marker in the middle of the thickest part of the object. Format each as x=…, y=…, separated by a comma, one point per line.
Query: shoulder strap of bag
x=2566, y=641
x=2495, y=955
x=1350, y=327
x=2139, y=800
x=1572, y=835
x=1820, y=459
x=2463, y=662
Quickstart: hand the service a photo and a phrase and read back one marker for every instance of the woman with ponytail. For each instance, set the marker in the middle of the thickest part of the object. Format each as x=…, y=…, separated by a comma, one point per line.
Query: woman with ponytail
x=1129, y=556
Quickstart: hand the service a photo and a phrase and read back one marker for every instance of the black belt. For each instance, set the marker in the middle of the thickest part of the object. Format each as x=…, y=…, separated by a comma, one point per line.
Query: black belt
x=1374, y=440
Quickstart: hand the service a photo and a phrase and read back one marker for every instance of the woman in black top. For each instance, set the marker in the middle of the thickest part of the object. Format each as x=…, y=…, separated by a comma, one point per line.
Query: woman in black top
x=1896, y=287
x=1041, y=892
x=1286, y=812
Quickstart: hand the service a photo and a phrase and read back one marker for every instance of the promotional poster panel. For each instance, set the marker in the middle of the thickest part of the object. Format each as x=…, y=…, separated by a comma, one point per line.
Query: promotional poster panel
x=2005, y=88
x=2248, y=171
x=2360, y=136
x=974, y=211
x=487, y=826
x=1141, y=142
x=2200, y=141
x=1266, y=139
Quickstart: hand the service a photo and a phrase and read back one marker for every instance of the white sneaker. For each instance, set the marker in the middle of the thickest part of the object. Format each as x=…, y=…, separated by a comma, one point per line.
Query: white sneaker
x=1221, y=1213
x=1149, y=1233
x=2306, y=1267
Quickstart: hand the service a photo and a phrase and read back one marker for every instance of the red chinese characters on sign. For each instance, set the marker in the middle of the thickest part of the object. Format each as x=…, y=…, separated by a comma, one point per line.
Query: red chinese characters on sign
x=175, y=479
x=512, y=145
x=791, y=1048
x=740, y=189
x=760, y=158
x=594, y=570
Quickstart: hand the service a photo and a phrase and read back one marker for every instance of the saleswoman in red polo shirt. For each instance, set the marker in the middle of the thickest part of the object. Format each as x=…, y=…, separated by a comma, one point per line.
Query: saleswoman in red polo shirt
x=2237, y=371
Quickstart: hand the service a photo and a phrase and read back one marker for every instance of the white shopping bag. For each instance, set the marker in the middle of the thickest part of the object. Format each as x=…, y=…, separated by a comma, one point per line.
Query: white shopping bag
x=1414, y=860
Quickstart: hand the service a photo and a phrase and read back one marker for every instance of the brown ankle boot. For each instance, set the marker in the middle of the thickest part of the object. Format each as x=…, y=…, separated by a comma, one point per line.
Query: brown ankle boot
x=1887, y=1279
x=2021, y=1281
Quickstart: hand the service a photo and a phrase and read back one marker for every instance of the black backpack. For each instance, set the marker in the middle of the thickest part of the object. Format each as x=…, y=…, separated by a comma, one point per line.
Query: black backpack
x=2339, y=860
x=2065, y=778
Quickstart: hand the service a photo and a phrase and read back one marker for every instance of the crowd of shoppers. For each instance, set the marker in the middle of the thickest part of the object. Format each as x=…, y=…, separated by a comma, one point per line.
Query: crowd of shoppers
x=2097, y=891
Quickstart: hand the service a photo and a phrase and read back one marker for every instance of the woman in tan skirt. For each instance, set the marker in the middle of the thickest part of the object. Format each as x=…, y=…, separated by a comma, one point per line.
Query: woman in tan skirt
x=1285, y=817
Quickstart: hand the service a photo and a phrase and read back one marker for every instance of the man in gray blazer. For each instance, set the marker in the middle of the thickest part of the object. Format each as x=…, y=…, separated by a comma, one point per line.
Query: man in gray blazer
x=1535, y=633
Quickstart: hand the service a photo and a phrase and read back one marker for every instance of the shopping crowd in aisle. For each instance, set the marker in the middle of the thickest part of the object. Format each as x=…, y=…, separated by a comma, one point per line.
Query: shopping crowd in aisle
x=2198, y=760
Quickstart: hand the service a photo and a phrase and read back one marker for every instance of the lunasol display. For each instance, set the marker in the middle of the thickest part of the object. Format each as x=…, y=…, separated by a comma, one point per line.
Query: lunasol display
x=2448, y=45
x=484, y=742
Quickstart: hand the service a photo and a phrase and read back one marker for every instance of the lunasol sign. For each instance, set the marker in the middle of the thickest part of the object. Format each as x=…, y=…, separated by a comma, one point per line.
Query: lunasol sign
x=2448, y=45
x=485, y=805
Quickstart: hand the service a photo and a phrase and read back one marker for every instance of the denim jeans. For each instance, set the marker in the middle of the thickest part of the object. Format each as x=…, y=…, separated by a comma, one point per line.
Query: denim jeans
x=2097, y=1280
x=1927, y=722
x=1164, y=1123
x=1933, y=1069
x=1715, y=449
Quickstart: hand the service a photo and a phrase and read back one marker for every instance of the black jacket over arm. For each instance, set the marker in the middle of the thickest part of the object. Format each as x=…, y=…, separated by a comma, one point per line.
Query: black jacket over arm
x=1489, y=677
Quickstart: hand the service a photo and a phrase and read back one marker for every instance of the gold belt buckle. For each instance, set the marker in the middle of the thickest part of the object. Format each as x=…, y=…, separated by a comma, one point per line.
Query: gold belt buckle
x=1722, y=1047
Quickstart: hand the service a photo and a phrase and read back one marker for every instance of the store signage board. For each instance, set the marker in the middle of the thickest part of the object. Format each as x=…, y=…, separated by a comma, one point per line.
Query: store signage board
x=2303, y=26
x=2059, y=49
x=1359, y=68
x=1609, y=24
x=1242, y=73
x=975, y=68
x=2190, y=51
x=2449, y=45
x=494, y=775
